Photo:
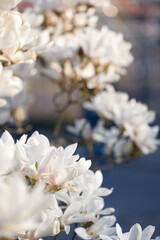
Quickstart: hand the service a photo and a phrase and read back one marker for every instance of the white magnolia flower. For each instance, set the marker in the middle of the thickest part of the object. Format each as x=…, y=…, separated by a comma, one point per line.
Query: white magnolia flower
x=111, y=105
x=8, y=4
x=105, y=48
x=90, y=185
x=101, y=226
x=17, y=205
x=135, y=233
x=84, y=205
x=117, y=107
x=13, y=34
x=132, y=118
x=48, y=221
x=144, y=137
x=90, y=191
x=74, y=214
x=56, y=166
x=15, y=40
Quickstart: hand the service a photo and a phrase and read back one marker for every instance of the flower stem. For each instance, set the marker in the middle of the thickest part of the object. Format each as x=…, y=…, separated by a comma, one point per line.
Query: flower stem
x=58, y=125
x=56, y=237
x=74, y=233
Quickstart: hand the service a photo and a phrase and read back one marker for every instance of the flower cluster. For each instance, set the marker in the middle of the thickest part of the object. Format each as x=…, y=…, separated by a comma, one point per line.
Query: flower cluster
x=64, y=190
x=17, y=45
x=15, y=36
x=82, y=63
x=124, y=125
x=83, y=57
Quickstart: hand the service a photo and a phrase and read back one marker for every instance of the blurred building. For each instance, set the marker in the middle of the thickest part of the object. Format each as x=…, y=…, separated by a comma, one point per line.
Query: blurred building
x=139, y=20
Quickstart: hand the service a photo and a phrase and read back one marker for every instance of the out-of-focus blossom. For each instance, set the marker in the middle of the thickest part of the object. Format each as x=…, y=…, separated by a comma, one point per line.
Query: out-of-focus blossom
x=131, y=117
x=117, y=107
x=129, y=111
x=82, y=128
x=38, y=36
x=116, y=146
x=62, y=4
x=15, y=39
x=144, y=137
x=88, y=55
x=17, y=205
x=60, y=18
x=48, y=221
x=8, y=4
x=105, y=48
x=65, y=47
x=14, y=34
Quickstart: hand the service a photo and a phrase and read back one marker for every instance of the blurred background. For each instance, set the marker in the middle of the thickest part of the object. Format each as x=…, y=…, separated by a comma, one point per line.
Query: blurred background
x=139, y=21
x=136, y=197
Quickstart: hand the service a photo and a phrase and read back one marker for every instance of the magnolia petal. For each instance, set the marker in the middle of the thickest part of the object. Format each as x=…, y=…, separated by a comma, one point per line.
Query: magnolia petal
x=81, y=232
x=147, y=233
x=135, y=232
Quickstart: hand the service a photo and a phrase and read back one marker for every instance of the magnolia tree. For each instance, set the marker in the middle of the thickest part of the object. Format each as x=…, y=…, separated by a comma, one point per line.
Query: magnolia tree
x=45, y=189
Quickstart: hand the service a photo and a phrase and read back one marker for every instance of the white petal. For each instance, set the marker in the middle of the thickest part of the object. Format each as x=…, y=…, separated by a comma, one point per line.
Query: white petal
x=69, y=151
x=81, y=232
x=119, y=231
x=135, y=232
x=147, y=233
